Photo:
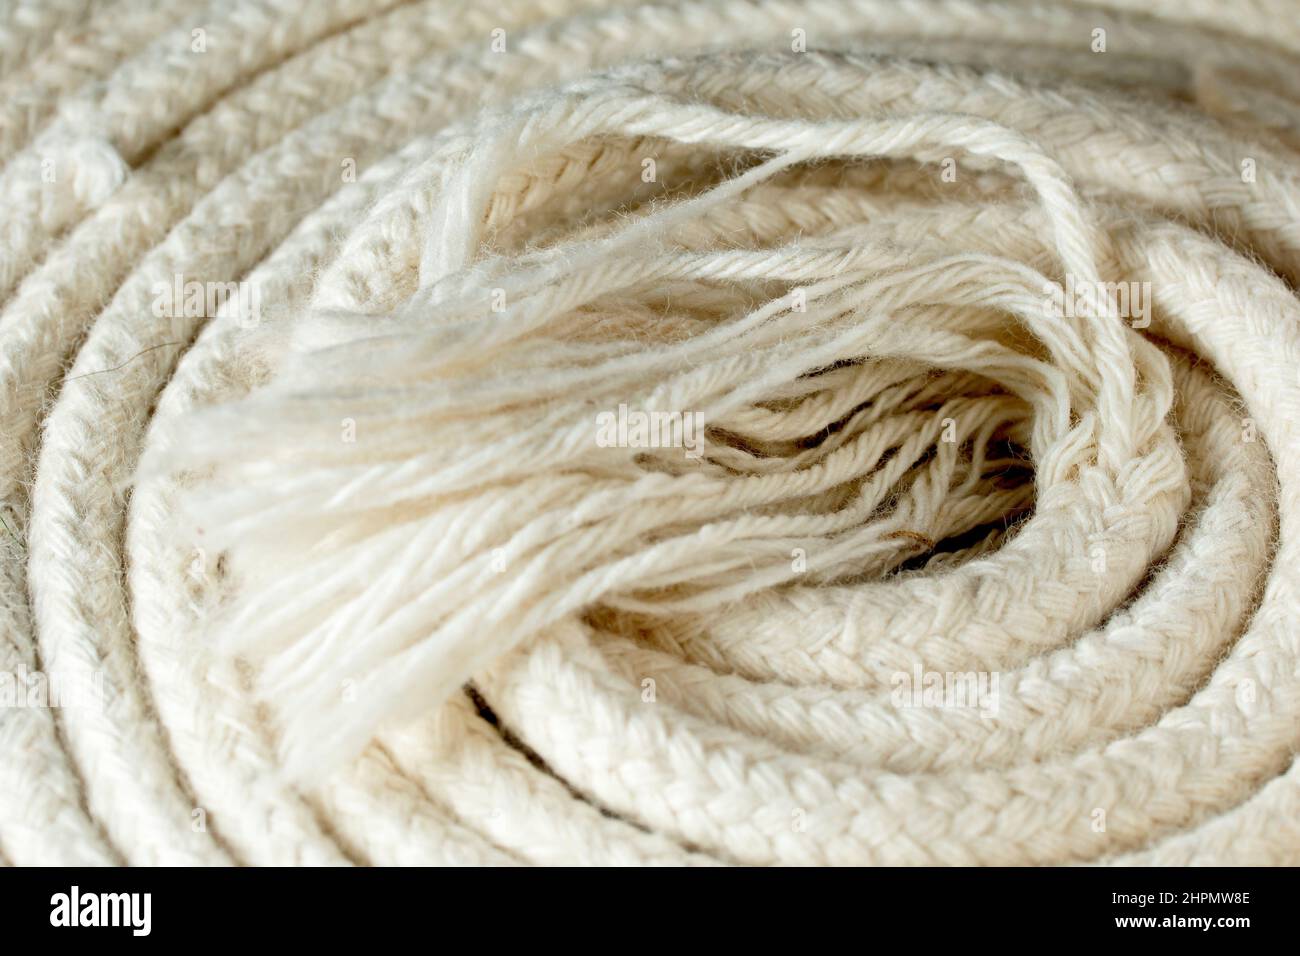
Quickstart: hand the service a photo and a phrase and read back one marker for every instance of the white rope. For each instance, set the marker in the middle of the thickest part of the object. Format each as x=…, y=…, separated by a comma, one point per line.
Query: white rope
x=970, y=538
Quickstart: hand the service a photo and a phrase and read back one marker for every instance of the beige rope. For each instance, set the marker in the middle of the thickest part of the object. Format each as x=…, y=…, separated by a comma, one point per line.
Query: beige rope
x=326, y=338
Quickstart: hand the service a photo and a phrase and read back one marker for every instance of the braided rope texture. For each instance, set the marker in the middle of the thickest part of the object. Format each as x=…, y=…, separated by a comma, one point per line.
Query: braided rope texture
x=802, y=432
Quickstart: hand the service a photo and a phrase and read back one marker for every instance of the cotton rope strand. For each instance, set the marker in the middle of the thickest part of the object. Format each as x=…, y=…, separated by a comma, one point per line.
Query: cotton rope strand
x=979, y=326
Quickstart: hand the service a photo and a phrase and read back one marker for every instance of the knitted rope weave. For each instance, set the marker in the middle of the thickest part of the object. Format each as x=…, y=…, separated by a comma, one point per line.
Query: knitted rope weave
x=304, y=558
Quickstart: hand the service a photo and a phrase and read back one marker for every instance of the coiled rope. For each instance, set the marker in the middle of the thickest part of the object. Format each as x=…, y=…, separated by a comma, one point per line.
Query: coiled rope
x=973, y=539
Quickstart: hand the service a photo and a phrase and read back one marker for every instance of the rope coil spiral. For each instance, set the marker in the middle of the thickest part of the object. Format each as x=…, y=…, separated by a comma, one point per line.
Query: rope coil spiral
x=711, y=431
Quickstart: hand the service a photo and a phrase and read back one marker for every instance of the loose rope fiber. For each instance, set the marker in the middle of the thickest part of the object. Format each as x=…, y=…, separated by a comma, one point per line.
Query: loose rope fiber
x=698, y=432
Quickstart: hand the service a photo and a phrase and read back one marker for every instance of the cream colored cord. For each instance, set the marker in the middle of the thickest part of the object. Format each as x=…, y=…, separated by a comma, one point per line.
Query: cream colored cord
x=965, y=532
